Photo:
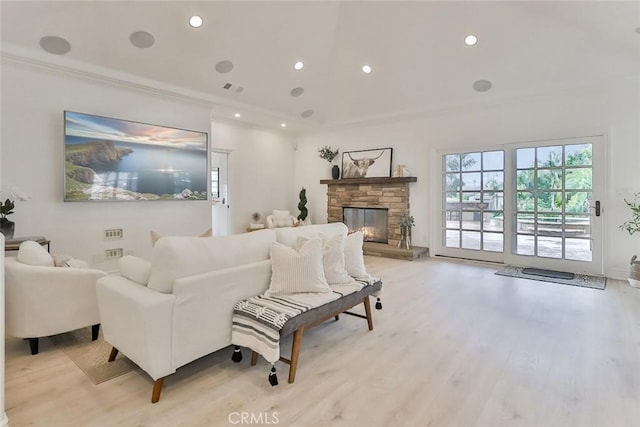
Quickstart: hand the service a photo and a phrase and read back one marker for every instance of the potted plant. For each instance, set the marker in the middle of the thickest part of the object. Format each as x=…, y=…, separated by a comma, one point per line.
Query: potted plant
x=7, y=227
x=255, y=221
x=328, y=154
x=302, y=207
x=406, y=222
x=633, y=226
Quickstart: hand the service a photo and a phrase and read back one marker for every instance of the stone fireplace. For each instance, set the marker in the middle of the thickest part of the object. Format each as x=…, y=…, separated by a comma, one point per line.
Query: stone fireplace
x=390, y=194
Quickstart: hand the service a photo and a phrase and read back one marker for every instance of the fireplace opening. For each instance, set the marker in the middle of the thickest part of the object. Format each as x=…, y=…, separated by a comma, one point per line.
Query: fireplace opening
x=371, y=221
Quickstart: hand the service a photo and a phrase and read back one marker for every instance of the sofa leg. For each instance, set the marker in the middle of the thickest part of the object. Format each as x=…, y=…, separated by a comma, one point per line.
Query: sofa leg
x=337, y=317
x=33, y=344
x=157, y=389
x=295, y=351
x=254, y=358
x=367, y=310
x=113, y=354
x=95, y=330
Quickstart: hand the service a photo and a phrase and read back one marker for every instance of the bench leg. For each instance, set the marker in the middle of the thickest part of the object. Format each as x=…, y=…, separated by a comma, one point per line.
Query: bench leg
x=295, y=351
x=157, y=389
x=254, y=358
x=367, y=310
x=113, y=354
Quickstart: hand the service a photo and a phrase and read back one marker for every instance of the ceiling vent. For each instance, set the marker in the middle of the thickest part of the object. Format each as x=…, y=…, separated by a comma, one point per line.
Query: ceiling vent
x=227, y=86
x=306, y=114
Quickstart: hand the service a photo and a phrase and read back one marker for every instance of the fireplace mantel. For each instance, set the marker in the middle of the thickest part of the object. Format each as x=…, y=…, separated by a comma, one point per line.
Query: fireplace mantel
x=383, y=180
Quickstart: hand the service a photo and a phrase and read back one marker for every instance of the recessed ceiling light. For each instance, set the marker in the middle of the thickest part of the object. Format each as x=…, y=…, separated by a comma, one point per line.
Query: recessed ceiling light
x=237, y=115
x=366, y=69
x=142, y=39
x=195, y=21
x=482, y=85
x=298, y=66
x=470, y=40
x=55, y=45
x=283, y=125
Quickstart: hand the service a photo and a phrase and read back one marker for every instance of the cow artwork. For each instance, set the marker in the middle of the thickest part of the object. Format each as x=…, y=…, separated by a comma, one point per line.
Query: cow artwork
x=366, y=164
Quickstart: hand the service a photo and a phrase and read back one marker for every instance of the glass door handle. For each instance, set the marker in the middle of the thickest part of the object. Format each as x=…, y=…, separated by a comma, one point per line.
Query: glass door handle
x=597, y=208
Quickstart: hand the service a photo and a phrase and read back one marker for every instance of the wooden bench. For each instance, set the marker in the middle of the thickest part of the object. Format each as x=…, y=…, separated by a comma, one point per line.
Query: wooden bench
x=298, y=324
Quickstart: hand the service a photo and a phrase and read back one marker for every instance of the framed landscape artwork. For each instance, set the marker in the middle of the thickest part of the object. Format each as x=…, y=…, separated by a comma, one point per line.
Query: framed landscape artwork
x=110, y=159
x=367, y=163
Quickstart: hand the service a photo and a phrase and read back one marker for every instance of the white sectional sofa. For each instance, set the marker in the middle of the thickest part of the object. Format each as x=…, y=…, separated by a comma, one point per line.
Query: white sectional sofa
x=178, y=308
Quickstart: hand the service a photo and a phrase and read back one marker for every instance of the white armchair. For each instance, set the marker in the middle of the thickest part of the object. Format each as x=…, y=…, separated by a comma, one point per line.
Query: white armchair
x=279, y=219
x=44, y=300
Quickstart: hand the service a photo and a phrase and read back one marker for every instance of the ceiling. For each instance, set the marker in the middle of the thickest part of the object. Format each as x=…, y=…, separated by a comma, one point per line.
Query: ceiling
x=416, y=49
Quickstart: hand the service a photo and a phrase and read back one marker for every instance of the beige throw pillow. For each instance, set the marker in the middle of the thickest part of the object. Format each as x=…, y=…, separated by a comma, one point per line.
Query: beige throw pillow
x=297, y=271
x=332, y=258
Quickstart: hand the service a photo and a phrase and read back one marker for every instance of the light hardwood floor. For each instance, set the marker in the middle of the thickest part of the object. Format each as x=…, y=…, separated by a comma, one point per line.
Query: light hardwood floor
x=455, y=345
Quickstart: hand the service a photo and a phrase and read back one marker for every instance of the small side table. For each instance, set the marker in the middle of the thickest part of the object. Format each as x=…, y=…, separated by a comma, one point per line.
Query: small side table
x=14, y=244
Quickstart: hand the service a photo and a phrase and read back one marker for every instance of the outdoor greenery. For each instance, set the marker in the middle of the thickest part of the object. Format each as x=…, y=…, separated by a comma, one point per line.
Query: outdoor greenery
x=538, y=182
x=633, y=225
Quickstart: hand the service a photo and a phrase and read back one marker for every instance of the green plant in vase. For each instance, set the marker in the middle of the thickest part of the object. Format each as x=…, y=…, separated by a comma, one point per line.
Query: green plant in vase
x=328, y=154
x=406, y=222
x=302, y=207
x=7, y=227
x=633, y=226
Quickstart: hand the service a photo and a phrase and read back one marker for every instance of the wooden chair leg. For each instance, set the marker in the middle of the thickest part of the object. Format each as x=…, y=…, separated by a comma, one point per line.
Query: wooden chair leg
x=295, y=351
x=33, y=344
x=95, y=330
x=367, y=310
x=157, y=389
x=113, y=354
x=254, y=358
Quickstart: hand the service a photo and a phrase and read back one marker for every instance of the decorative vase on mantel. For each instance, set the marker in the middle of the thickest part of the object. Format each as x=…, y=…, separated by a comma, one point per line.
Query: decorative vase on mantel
x=335, y=172
x=7, y=228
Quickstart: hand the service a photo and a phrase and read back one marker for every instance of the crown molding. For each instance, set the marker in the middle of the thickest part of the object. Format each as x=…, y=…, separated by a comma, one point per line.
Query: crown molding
x=260, y=117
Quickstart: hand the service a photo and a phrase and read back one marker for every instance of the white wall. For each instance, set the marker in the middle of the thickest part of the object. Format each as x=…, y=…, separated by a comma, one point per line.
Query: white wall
x=261, y=166
x=614, y=110
x=33, y=101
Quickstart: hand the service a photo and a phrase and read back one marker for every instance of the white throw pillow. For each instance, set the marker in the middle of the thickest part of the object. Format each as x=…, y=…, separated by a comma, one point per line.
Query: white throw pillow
x=297, y=271
x=134, y=268
x=31, y=253
x=283, y=221
x=332, y=258
x=354, y=256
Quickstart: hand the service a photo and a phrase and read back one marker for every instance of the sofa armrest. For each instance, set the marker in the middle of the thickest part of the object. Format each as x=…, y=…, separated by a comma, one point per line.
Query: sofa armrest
x=137, y=321
x=204, y=307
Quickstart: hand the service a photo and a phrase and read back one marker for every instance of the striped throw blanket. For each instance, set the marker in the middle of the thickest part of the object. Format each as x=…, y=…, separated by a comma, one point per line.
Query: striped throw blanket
x=257, y=322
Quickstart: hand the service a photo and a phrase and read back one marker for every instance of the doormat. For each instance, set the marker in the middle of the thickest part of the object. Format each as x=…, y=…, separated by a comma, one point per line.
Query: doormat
x=583, y=280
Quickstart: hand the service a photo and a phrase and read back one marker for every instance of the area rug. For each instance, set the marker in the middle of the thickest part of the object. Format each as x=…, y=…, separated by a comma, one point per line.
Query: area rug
x=91, y=356
x=583, y=280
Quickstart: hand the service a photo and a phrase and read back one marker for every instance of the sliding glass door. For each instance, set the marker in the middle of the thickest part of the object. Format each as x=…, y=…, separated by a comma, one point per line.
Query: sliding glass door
x=535, y=204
